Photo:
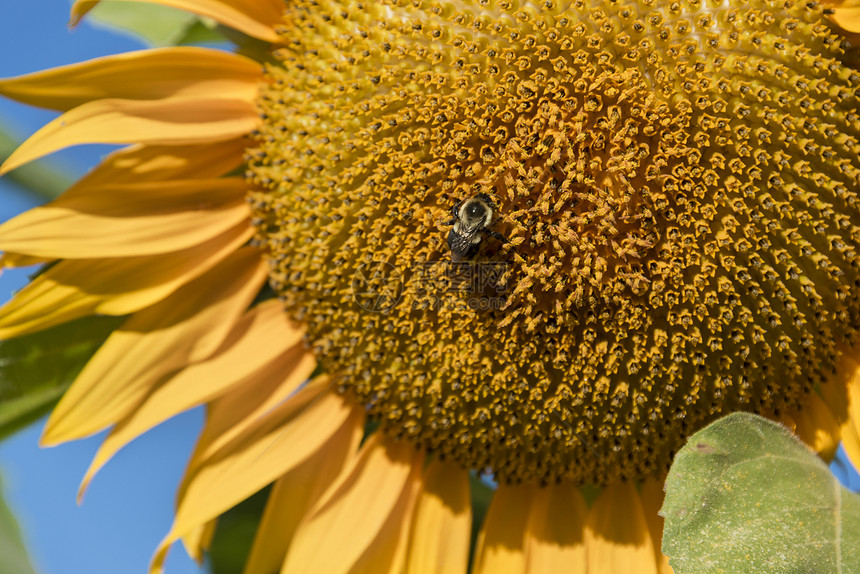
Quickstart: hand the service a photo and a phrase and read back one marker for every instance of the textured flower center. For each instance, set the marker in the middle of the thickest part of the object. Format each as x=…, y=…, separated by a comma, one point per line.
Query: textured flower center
x=674, y=219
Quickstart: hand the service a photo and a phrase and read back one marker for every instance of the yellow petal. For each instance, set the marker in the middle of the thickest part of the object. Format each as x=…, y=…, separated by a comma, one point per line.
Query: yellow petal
x=353, y=515
x=554, y=538
x=851, y=444
x=126, y=220
x=144, y=75
x=287, y=437
x=840, y=395
x=817, y=427
x=852, y=385
x=652, y=501
x=20, y=260
x=617, y=537
x=171, y=121
x=198, y=541
x=835, y=394
x=241, y=407
x=139, y=163
x=237, y=410
x=290, y=499
x=285, y=508
x=387, y=553
x=847, y=18
x=501, y=545
x=439, y=542
x=185, y=328
x=262, y=341
x=111, y=286
x=257, y=18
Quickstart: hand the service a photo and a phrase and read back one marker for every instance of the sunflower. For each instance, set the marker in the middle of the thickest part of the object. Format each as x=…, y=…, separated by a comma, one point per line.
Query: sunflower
x=669, y=223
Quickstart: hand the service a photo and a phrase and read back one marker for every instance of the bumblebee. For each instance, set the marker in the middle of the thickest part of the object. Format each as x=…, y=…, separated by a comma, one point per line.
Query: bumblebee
x=472, y=220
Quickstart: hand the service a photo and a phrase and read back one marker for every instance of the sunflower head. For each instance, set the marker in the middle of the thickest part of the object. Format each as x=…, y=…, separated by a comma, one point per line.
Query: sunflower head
x=676, y=184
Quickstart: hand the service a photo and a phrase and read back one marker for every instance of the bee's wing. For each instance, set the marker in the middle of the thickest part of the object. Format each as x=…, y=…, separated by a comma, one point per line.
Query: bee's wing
x=470, y=227
x=461, y=245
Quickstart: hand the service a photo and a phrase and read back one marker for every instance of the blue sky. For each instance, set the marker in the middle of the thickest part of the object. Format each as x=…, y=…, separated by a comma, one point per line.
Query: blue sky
x=128, y=508
x=129, y=505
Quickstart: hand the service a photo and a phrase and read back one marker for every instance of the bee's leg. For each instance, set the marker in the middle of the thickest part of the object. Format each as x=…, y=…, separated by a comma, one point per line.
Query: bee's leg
x=455, y=211
x=454, y=214
x=496, y=235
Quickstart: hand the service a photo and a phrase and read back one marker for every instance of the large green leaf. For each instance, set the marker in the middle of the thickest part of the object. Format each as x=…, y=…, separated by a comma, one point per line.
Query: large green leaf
x=154, y=24
x=36, y=369
x=745, y=495
x=13, y=554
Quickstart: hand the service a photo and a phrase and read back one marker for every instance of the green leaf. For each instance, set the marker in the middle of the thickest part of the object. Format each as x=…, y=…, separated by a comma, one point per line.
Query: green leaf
x=745, y=495
x=154, y=24
x=13, y=553
x=35, y=370
x=202, y=31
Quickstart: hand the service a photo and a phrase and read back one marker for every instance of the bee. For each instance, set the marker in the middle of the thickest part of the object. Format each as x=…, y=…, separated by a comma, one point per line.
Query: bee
x=472, y=220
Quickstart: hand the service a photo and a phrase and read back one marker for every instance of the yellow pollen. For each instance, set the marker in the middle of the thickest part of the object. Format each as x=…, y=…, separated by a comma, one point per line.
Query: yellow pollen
x=674, y=231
